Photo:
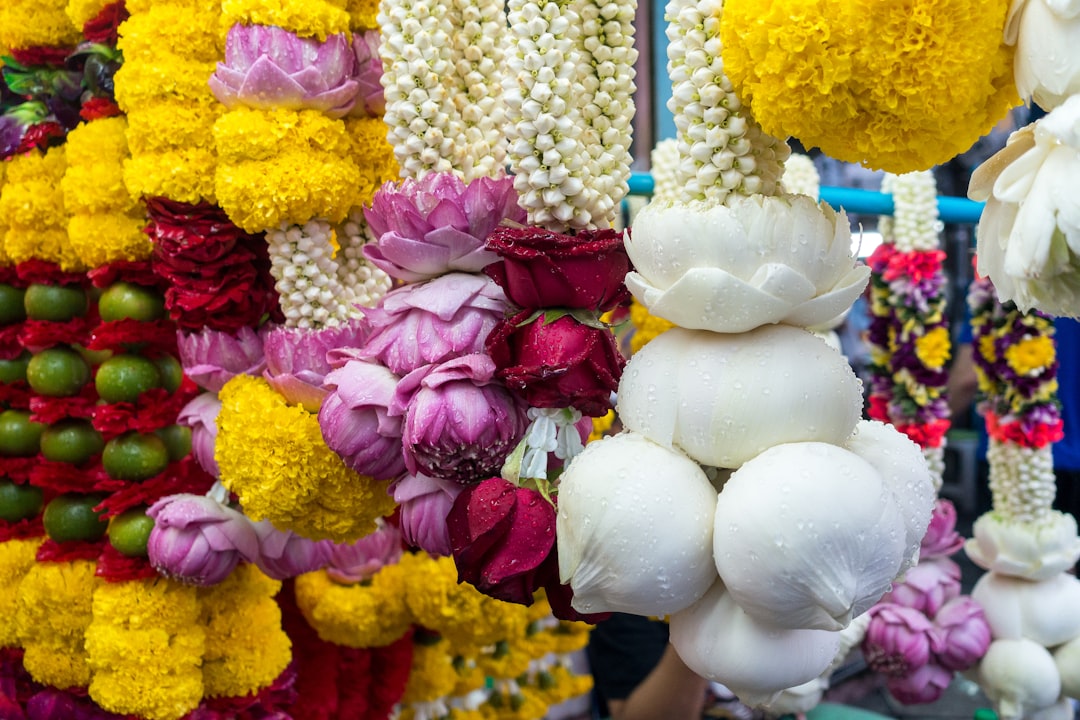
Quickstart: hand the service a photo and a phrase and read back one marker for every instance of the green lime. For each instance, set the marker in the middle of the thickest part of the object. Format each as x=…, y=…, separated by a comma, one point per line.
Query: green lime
x=12, y=309
x=12, y=371
x=135, y=456
x=177, y=439
x=18, y=502
x=55, y=302
x=57, y=372
x=71, y=441
x=123, y=378
x=72, y=517
x=172, y=372
x=93, y=358
x=130, y=530
x=18, y=435
x=123, y=300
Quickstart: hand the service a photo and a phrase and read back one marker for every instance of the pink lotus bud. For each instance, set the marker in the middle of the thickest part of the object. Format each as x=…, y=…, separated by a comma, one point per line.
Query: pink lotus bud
x=211, y=357
x=424, y=503
x=927, y=586
x=355, y=419
x=201, y=416
x=437, y=224
x=197, y=540
x=941, y=538
x=284, y=554
x=370, y=101
x=925, y=685
x=267, y=67
x=897, y=640
x=358, y=561
x=431, y=322
x=296, y=359
x=460, y=423
x=961, y=634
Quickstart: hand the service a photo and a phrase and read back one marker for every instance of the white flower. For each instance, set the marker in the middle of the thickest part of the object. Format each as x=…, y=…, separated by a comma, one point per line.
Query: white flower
x=307, y=276
x=1046, y=34
x=1043, y=611
x=362, y=283
x=732, y=268
x=914, y=225
x=478, y=54
x=634, y=528
x=722, y=399
x=800, y=177
x=664, y=162
x=1022, y=480
x=1029, y=235
x=1031, y=550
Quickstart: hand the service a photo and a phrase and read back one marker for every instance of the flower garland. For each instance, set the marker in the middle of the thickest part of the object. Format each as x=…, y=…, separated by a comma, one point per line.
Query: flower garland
x=17, y=557
x=33, y=205
x=800, y=176
x=478, y=49
x=28, y=24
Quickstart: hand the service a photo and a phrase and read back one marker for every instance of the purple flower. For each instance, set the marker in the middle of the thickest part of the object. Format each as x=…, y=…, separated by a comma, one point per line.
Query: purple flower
x=11, y=135
x=435, y=225
x=941, y=538
x=431, y=322
x=927, y=586
x=197, y=540
x=961, y=634
x=54, y=704
x=284, y=554
x=355, y=419
x=370, y=101
x=460, y=423
x=358, y=561
x=924, y=685
x=424, y=503
x=211, y=357
x=296, y=359
x=897, y=640
x=201, y=416
x=267, y=67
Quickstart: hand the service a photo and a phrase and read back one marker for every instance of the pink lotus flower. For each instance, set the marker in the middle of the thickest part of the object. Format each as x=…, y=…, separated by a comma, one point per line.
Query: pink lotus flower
x=370, y=101
x=941, y=538
x=284, y=554
x=431, y=322
x=924, y=685
x=211, y=357
x=358, y=561
x=897, y=640
x=961, y=634
x=356, y=422
x=201, y=416
x=424, y=502
x=296, y=359
x=460, y=423
x=435, y=225
x=197, y=540
x=267, y=67
x=927, y=586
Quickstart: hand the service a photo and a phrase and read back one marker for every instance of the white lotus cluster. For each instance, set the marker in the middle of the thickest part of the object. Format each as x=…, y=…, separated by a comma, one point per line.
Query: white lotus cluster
x=306, y=276
x=745, y=498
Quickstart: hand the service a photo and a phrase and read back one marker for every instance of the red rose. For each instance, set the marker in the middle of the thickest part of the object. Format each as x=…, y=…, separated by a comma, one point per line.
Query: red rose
x=501, y=535
x=540, y=268
x=557, y=364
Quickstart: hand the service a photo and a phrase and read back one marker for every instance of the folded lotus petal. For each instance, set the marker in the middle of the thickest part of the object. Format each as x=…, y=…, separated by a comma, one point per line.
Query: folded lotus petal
x=711, y=299
x=200, y=414
x=1041, y=611
x=394, y=253
x=267, y=84
x=424, y=504
x=1036, y=551
x=211, y=357
x=822, y=309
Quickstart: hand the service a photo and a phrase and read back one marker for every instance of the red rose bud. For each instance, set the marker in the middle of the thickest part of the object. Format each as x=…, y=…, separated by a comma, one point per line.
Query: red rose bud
x=501, y=535
x=557, y=364
x=540, y=268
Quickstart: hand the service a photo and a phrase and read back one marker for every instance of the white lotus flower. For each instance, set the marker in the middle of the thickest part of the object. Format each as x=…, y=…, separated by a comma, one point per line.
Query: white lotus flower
x=756, y=261
x=807, y=536
x=717, y=639
x=1029, y=235
x=1032, y=550
x=1046, y=34
x=1067, y=659
x=722, y=399
x=1043, y=611
x=634, y=528
x=1020, y=677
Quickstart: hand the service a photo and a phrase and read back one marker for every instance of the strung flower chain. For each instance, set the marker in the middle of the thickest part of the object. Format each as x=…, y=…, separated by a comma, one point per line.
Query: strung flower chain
x=552, y=430
x=724, y=151
x=363, y=283
x=664, y=160
x=915, y=225
x=302, y=262
x=801, y=177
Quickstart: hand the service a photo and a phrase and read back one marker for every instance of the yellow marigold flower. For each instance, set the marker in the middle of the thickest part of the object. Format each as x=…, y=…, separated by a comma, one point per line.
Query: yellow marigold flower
x=566, y=685
x=168, y=124
x=27, y=23
x=363, y=13
x=79, y=12
x=168, y=76
x=601, y=425
x=432, y=675
x=373, y=154
x=306, y=18
x=282, y=470
x=16, y=559
x=360, y=615
x=53, y=612
x=508, y=660
x=1030, y=354
x=885, y=84
x=570, y=636
x=647, y=326
x=198, y=35
x=183, y=174
x=934, y=348
x=105, y=238
x=986, y=348
x=470, y=676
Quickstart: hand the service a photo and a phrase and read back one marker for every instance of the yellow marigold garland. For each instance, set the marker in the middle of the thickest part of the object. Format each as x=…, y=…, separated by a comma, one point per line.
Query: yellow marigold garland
x=246, y=649
x=432, y=676
x=16, y=559
x=32, y=204
x=359, y=616
x=29, y=23
x=373, y=154
x=146, y=646
x=79, y=12
x=306, y=18
x=879, y=83
x=646, y=326
x=53, y=613
x=173, y=24
x=272, y=455
x=363, y=13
